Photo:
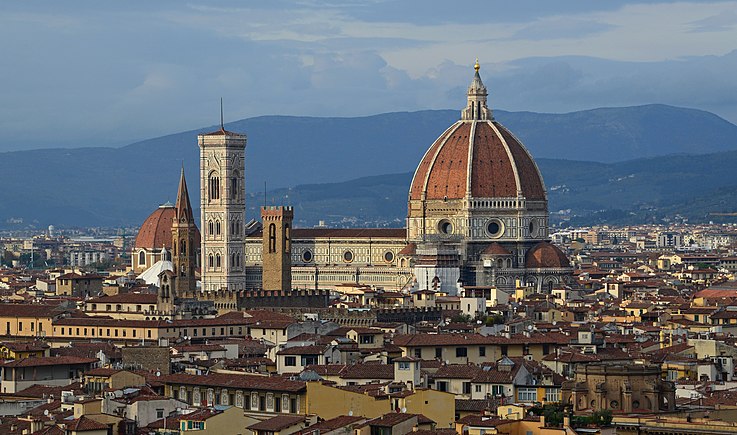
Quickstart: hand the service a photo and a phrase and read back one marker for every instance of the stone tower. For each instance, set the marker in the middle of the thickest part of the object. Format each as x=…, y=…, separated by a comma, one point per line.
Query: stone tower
x=165, y=298
x=276, y=252
x=223, y=207
x=185, y=242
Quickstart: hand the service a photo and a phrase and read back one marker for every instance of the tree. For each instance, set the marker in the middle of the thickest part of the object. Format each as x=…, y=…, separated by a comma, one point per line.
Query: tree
x=601, y=418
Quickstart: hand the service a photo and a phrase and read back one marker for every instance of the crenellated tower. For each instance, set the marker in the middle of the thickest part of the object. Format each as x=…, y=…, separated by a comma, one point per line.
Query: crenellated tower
x=276, y=251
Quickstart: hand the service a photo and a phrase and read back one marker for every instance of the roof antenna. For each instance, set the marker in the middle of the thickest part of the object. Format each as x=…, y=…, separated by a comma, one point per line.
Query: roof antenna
x=222, y=126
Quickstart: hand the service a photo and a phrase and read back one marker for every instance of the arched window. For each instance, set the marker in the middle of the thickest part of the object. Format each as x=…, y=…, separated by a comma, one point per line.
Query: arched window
x=183, y=247
x=287, y=239
x=217, y=260
x=142, y=258
x=211, y=228
x=234, y=185
x=217, y=227
x=210, y=261
x=214, y=187
x=232, y=260
x=238, y=260
x=272, y=238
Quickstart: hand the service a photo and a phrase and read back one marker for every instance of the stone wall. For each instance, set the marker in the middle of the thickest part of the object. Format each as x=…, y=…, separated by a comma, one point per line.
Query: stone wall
x=151, y=358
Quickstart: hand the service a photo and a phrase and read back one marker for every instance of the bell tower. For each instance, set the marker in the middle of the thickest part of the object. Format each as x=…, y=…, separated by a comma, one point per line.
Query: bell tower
x=185, y=242
x=276, y=252
x=223, y=208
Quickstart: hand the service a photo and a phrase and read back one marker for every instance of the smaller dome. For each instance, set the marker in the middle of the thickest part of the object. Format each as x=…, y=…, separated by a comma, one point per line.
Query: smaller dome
x=546, y=255
x=495, y=249
x=410, y=249
x=155, y=233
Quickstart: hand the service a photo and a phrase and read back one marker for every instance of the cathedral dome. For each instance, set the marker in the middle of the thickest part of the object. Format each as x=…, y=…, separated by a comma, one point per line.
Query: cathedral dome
x=155, y=232
x=495, y=249
x=477, y=157
x=546, y=255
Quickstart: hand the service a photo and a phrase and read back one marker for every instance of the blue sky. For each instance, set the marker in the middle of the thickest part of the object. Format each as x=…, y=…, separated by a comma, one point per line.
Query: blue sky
x=90, y=73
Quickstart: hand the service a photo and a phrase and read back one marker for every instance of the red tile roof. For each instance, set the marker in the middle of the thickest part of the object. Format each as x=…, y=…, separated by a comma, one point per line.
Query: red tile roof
x=332, y=424
x=391, y=419
x=302, y=350
x=278, y=423
x=245, y=381
x=155, y=232
x=48, y=361
x=546, y=255
x=84, y=424
x=368, y=371
x=343, y=233
x=500, y=165
x=29, y=310
x=496, y=249
x=125, y=298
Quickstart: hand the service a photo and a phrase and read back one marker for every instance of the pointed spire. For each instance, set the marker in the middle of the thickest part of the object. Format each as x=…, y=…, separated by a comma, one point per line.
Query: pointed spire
x=183, y=207
x=476, y=109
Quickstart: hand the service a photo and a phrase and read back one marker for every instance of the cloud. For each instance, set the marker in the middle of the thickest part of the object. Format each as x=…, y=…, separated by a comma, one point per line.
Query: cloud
x=561, y=28
x=721, y=22
x=116, y=72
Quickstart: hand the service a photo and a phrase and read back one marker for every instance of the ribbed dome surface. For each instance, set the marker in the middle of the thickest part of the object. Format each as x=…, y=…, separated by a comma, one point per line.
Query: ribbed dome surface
x=496, y=249
x=500, y=165
x=546, y=255
x=155, y=232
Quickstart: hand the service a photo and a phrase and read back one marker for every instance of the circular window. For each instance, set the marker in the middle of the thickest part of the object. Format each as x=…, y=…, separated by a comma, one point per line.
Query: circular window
x=388, y=256
x=614, y=404
x=494, y=228
x=445, y=227
x=348, y=256
x=307, y=256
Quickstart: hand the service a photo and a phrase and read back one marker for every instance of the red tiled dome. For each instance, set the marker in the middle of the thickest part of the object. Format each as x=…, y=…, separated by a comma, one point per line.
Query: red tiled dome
x=156, y=229
x=496, y=249
x=546, y=255
x=500, y=165
x=477, y=156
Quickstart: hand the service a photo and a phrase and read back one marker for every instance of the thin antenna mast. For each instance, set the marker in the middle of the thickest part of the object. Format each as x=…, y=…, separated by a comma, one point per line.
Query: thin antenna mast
x=222, y=125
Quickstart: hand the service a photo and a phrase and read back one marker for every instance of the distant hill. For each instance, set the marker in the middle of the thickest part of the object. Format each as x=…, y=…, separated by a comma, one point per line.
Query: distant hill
x=582, y=193
x=121, y=186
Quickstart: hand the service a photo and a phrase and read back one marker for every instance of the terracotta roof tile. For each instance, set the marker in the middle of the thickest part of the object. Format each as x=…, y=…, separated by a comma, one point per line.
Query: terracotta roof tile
x=245, y=381
x=48, y=361
x=155, y=232
x=546, y=255
x=278, y=423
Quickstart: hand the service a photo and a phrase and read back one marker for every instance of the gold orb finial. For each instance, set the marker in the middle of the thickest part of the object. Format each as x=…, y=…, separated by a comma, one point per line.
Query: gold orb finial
x=477, y=66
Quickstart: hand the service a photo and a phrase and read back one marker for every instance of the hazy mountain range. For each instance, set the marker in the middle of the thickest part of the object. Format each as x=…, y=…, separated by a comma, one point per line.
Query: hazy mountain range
x=616, y=164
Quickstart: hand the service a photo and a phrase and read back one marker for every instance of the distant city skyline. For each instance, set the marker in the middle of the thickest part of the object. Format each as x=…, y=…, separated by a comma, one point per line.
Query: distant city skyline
x=83, y=74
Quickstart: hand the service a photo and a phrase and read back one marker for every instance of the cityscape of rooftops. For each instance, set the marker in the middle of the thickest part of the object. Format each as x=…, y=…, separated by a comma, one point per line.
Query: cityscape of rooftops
x=368, y=217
